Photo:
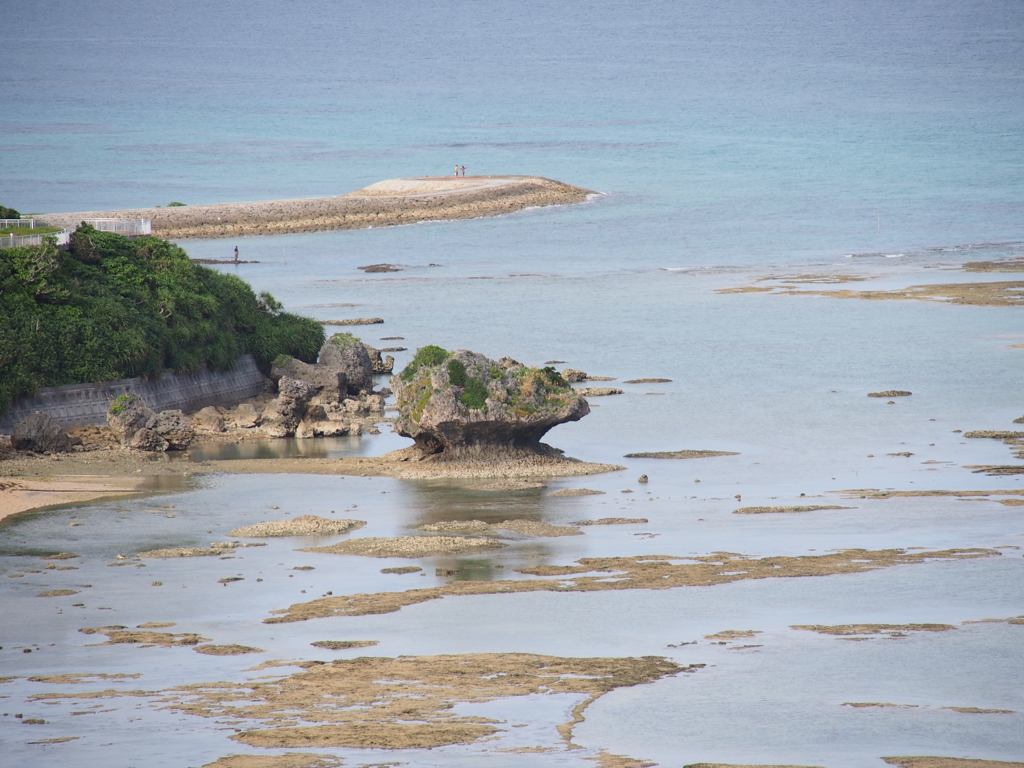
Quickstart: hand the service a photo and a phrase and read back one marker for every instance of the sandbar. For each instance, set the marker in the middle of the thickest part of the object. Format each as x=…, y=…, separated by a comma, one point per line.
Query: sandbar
x=24, y=494
x=386, y=203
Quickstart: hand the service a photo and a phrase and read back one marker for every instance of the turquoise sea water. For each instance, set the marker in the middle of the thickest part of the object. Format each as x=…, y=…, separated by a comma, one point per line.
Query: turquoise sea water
x=731, y=142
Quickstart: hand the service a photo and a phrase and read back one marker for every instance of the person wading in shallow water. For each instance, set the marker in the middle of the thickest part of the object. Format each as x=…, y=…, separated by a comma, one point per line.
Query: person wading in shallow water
x=463, y=170
x=456, y=170
x=236, y=254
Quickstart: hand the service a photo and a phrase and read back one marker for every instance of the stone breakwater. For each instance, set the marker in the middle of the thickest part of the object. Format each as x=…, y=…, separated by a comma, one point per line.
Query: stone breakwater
x=387, y=203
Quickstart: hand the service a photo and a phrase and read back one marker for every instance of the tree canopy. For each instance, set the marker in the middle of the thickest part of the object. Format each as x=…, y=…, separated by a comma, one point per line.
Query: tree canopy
x=113, y=308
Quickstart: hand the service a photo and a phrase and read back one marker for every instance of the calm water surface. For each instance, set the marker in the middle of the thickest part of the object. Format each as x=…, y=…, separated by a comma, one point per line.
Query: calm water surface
x=732, y=141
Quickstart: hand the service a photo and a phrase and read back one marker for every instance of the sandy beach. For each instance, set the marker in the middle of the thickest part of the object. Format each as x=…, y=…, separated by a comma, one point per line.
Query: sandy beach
x=386, y=203
x=41, y=492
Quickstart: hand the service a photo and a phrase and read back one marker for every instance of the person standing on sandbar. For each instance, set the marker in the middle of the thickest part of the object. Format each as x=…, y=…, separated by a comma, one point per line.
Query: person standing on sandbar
x=236, y=254
x=456, y=170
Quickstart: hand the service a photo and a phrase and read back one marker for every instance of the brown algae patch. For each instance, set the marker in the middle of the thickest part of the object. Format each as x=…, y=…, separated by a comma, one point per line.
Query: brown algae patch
x=287, y=760
x=305, y=525
x=576, y=492
x=1014, y=620
x=607, y=760
x=1001, y=294
x=874, y=493
x=733, y=634
x=881, y=704
x=402, y=569
x=685, y=454
x=522, y=527
x=408, y=546
x=642, y=572
x=182, y=552
x=57, y=593
x=647, y=381
x=226, y=650
x=75, y=678
x=891, y=393
x=783, y=510
x=117, y=635
x=1007, y=265
x=890, y=630
x=613, y=521
x=980, y=711
x=341, y=645
x=925, y=761
x=405, y=702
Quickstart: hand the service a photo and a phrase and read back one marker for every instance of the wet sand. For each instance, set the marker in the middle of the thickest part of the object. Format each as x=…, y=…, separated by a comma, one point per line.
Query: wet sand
x=386, y=203
x=30, y=482
x=22, y=495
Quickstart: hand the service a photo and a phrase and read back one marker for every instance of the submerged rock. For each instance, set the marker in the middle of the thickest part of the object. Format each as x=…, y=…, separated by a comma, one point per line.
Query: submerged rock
x=465, y=405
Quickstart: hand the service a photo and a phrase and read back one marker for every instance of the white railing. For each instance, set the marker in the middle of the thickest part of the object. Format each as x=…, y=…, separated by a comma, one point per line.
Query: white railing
x=129, y=227
x=126, y=227
x=16, y=241
x=30, y=223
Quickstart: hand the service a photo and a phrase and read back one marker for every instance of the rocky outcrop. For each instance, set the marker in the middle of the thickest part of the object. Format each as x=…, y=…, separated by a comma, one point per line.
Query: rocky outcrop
x=346, y=354
x=329, y=383
x=209, y=419
x=41, y=434
x=136, y=426
x=387, y=365
x=282, y=415
x=173, y=427
x=128, y=414
x=463, y=405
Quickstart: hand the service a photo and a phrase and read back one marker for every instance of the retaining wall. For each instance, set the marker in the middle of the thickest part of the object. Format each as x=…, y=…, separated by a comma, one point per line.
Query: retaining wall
x=88, y=403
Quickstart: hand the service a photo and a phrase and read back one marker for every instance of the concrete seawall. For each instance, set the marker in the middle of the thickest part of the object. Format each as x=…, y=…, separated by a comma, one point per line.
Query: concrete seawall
x=87, y=403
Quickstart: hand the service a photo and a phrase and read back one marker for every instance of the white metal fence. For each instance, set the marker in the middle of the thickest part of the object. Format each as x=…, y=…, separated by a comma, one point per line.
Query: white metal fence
x=126, y=227
x=30, y=223
x=13, y=241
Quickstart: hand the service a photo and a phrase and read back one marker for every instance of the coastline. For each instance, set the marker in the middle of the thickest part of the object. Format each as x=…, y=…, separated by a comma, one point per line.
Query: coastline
x=28, y=493
x=386, y=203
x=34, y=483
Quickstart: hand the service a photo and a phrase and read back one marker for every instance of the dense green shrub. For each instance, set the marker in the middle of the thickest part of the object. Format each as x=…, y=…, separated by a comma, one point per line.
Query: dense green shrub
x=428, y=355
x=114, y=308
x=8, y=213
x=474, y=395
x=457, y=372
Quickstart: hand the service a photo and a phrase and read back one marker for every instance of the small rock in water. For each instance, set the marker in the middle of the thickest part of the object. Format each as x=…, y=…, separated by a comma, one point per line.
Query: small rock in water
x=642, y=479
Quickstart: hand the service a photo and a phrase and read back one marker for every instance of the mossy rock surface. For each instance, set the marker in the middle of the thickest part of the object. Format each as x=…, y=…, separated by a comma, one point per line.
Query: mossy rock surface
x=465, y=404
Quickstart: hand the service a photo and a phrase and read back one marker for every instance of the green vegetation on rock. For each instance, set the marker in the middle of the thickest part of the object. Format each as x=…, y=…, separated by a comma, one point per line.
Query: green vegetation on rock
x=474, y=395
x=113, y=308
x=457, y=373
x=343, y=340
x=8, y=213
x=425, y=356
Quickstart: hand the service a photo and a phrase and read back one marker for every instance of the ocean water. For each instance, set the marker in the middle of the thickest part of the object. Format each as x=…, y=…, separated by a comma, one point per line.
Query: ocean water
x=730, y=142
